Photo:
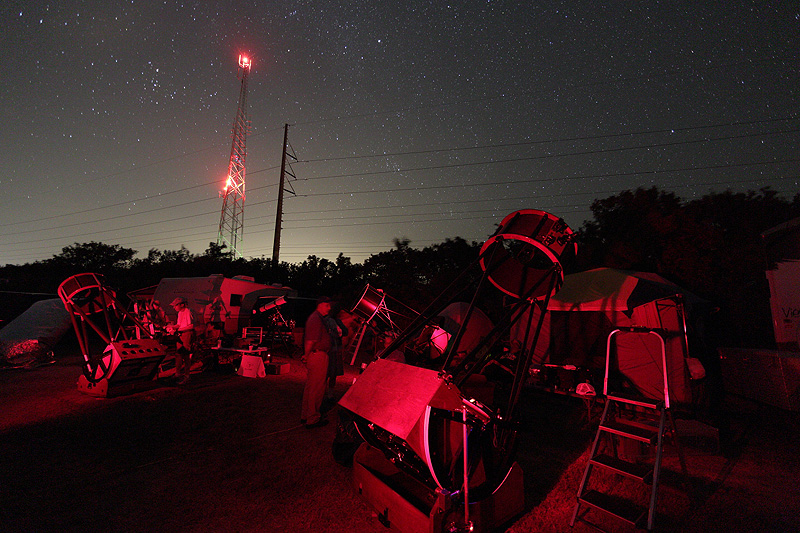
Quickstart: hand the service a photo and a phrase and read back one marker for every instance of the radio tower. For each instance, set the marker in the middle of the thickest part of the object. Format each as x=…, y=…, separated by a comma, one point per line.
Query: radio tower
x=231, y=220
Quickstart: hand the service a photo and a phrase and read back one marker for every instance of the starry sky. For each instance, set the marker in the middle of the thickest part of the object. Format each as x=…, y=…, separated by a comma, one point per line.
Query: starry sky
x=420, y=120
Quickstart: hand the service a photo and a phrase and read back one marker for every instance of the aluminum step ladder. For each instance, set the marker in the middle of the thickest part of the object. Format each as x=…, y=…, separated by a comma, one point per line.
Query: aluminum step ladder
x=628, y=418
x=353, y=347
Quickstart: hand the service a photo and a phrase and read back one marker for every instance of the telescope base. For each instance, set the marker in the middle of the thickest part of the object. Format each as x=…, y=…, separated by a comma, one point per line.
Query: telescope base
x=409, y=506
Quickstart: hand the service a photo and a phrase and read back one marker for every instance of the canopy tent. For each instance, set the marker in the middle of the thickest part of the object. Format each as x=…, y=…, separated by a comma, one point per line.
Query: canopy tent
x=591, y=304
x=609, y=289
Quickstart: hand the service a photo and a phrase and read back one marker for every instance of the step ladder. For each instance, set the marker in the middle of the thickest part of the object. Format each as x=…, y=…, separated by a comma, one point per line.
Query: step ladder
x=351, y=351
x=628, y=418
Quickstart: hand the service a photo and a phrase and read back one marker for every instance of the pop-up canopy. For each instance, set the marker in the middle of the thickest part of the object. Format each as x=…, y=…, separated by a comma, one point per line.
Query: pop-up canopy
x=591, y=304
x=609, y=289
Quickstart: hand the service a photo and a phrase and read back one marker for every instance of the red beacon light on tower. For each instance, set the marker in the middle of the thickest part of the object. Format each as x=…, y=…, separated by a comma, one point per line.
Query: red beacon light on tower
x=244, y=61
x=228, y=185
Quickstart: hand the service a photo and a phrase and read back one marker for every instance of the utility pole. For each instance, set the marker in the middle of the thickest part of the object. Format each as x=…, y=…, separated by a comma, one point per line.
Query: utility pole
x=276, y=245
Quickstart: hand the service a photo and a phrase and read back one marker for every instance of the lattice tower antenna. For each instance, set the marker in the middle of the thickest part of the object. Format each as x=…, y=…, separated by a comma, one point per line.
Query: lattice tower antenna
x=231, y=220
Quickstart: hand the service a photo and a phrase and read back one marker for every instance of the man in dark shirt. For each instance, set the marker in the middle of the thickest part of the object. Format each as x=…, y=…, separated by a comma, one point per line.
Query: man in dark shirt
x=316, y=345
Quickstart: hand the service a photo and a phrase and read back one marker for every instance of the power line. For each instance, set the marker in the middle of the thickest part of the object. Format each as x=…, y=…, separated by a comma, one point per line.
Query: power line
x=550, y=141
x=447, y=166
x=546, y=156
x=417, y=188
x=454, y=165
x=674, y=73
x=397, y=216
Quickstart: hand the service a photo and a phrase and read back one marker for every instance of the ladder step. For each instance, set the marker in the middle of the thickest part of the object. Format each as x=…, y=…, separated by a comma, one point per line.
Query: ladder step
x=642, y=472
x=355, y=344
x=634, y=400
x=641, y=433
x=622, y=509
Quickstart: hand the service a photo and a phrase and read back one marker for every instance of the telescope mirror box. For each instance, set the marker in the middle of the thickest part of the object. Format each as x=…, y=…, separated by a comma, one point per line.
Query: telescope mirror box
x=130, y=365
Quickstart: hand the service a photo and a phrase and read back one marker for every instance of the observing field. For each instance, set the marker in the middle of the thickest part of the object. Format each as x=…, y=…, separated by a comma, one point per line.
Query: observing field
x=228, y=453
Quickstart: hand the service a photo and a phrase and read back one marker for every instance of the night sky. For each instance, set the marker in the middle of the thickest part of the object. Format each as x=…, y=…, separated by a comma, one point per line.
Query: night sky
x=423, y=120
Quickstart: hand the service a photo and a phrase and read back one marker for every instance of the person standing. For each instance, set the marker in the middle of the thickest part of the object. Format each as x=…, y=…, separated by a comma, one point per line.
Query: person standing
x=215, y=315
x=156, y=318
x=316, y=345
x=184, y=328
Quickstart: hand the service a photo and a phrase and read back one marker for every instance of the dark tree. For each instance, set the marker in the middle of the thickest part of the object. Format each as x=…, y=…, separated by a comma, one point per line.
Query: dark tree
x=629, y=230
x=711, y=246
x=313, y=276
x=730, y=258
x=397, y=272
x=94, y=257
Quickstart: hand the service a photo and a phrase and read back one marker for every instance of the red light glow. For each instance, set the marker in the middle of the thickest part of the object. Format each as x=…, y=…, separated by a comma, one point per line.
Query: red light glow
x=244, y=61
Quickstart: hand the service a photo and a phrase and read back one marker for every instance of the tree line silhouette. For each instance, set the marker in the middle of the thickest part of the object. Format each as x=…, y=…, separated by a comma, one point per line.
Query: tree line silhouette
x=711, y=246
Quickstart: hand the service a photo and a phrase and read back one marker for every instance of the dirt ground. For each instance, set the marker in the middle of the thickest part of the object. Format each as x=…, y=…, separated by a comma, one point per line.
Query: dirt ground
x=228, y=453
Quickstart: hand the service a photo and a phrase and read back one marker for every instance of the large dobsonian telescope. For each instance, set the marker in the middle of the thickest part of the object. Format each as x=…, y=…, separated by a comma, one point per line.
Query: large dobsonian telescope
x=439, y=429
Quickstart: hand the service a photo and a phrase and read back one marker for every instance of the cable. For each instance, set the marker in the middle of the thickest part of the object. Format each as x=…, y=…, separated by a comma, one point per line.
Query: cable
x=435, y=167
x=568, y=86
x=548, y=141
x=371, y=223
x=434, y=187
x=445, y=150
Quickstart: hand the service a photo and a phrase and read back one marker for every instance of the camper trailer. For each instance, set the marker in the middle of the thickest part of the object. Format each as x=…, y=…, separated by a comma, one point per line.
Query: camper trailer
x=238, y=294
x=766, y=375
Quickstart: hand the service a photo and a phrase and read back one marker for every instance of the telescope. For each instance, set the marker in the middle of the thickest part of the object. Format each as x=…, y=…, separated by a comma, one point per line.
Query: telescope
x=281, y=300
x=439, y=436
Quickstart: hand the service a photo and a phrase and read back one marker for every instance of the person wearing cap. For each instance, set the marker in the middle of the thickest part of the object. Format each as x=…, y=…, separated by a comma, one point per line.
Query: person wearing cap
x=316, y=345
x=156, y=318
x=184, y=327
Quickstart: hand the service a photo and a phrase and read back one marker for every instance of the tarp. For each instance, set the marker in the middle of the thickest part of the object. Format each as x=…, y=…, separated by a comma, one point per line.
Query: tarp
x=591, y=304
x=31, y=336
